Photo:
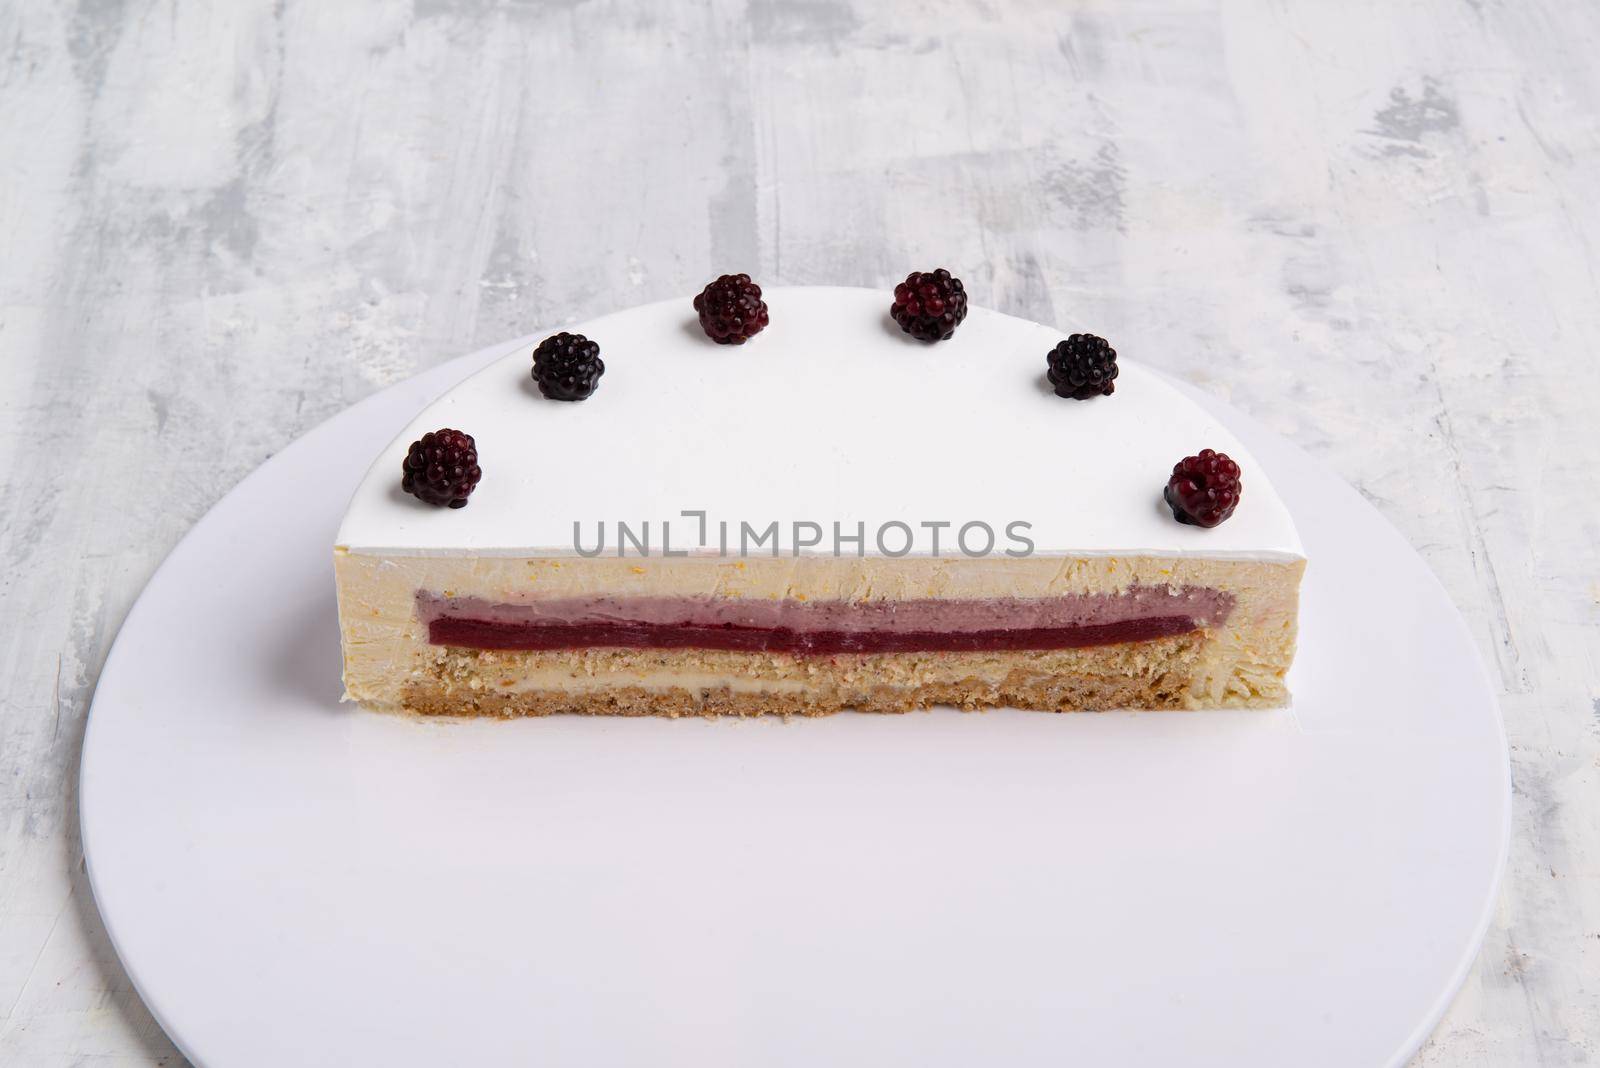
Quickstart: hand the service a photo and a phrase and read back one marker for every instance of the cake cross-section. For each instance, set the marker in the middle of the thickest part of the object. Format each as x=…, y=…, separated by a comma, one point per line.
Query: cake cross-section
x=831, y=518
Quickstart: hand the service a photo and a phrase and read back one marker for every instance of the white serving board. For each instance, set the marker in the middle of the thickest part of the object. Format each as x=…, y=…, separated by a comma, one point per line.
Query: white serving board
x=289, y=880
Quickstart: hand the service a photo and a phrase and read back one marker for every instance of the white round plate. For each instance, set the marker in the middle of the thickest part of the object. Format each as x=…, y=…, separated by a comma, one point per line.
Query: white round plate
x=289, y=880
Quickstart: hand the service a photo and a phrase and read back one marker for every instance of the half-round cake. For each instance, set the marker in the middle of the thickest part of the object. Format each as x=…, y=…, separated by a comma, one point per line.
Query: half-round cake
x=829, y=516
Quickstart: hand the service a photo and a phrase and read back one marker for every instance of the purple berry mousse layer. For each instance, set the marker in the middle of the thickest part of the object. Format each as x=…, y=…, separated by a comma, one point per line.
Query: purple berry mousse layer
x=820, y=628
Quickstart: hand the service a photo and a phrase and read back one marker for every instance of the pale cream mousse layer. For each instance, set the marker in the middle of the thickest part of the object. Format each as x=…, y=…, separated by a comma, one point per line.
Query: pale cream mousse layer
x=500, y=635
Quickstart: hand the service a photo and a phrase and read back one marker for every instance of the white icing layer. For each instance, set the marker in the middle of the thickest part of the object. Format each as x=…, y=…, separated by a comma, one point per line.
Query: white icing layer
x=829, y=415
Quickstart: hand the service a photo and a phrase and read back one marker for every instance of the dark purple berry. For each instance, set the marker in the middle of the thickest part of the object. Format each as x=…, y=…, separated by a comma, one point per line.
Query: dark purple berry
x=1203, y=490
x=567, y=366
x=1083, y=366
x=929, y=305
x=731, y=309
x=441, y=468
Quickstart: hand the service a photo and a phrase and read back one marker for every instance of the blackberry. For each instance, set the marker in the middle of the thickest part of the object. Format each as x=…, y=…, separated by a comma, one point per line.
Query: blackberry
x=441, y=468
x=567, y=366
x=929, y=305
x=1083, y=366
x=731, y=309
x=1203, y=490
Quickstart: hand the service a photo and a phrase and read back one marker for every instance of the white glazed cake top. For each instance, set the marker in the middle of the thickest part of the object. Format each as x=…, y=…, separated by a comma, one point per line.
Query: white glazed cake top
x=830, y=414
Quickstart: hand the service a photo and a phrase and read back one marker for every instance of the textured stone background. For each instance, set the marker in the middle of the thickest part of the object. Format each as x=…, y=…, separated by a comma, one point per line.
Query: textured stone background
x=1369, y=224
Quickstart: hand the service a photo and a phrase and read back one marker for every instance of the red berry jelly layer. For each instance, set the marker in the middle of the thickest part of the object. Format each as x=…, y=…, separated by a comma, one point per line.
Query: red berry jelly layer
x=821, y=628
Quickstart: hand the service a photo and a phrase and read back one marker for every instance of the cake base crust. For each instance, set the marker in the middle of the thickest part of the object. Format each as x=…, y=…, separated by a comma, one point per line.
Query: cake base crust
x=1053, y=695
x=1154, y=675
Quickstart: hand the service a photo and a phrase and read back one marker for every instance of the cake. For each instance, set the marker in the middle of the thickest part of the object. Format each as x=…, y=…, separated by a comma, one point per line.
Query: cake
x=829, y=515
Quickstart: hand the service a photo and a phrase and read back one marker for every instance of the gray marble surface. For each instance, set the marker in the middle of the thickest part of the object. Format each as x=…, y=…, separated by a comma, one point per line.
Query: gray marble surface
x=1371, y=225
